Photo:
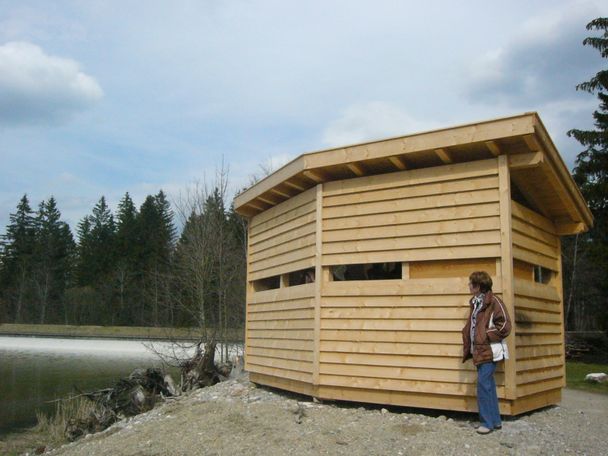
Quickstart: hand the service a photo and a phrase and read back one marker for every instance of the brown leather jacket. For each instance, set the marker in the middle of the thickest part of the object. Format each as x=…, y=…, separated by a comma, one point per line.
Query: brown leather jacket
x=482, y=352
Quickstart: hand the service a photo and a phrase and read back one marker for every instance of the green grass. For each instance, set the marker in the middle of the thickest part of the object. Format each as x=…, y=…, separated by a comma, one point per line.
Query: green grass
x=111, y=331
x=576, y=372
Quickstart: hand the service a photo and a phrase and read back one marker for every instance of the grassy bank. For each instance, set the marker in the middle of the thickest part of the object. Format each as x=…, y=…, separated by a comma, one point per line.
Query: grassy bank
x=119, y=332
x=576, y=372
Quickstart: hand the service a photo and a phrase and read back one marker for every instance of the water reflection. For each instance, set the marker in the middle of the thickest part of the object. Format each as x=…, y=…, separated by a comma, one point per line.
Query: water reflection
x=36, y=370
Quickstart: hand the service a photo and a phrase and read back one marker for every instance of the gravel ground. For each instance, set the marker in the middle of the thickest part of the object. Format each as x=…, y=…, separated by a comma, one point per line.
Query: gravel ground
x=238, y=418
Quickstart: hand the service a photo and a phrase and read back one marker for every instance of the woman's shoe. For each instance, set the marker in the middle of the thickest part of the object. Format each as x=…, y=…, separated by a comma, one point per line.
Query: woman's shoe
x=483, y=430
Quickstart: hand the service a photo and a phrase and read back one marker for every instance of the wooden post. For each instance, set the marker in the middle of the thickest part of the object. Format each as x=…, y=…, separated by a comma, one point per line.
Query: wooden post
x=557, y=281
x=506, y=270
x=319, y=278
x=248, y=295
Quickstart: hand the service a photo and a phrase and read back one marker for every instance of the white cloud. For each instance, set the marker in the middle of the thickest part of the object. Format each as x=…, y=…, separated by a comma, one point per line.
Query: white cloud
x=39, y=88
x=368, y=121
x=542, y=63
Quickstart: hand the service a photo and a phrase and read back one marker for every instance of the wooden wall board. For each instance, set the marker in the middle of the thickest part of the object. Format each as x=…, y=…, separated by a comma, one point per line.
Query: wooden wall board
x=275, y=213
x=443, y=184
x=540, y=376
x=283, y=373
x=282, y=383
x=396, y=313
x=273, y=228
x=286, y=267
x=456, y=239
x=283, y=314
x=485, y=209
x=423, y=337
x=396, y=301
x=409, y=362
x=410, y=204
x=529, y=229
x=391, y=348
x=536, y=291
x=406, y=399
x=536, y=401
x=418, y=386
x=355, y=373
x=302, y=231
x=538, y=387
x=537, y=351
x=285, y=257
x=408, y=230
x=531, y=316
x=283, y=364
x=535, y=258
x=433, y=253
x=287, y=344
x=537, y=304
x=294, y=304
x=543, y=363
x=283, y=294
x=414, y=177
x=451, y=269
x=533, y=218
x=411, y=287
x=282, y=353
x=529, y=243
x=293, y=334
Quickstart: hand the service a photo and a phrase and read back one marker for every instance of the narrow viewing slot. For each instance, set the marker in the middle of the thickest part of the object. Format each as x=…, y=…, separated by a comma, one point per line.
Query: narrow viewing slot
x=269, y=283
x=542, y=275
x=366, y=271
x=301, y=277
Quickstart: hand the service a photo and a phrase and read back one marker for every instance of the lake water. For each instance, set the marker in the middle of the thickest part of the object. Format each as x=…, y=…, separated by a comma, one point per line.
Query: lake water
x=35, y=370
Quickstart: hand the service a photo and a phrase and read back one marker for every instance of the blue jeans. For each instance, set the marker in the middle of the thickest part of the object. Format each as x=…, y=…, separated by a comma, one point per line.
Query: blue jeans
x=487, y=400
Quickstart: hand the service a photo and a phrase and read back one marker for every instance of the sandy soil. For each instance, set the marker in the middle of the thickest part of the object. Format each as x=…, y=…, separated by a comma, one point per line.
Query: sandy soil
x=236, y=417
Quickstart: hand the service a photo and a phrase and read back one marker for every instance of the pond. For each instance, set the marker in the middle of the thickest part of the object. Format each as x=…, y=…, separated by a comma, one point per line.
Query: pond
x=34, y=371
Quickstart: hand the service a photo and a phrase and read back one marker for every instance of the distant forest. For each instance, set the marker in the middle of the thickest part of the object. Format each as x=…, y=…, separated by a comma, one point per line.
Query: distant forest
x=129, y=268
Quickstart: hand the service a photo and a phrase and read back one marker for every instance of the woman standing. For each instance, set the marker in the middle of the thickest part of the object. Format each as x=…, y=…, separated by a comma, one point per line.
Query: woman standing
x=488, y=325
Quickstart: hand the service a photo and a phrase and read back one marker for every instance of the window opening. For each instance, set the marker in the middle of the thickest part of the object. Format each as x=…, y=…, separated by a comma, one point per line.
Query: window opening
x=366, y=271
x=269, y=283
x=301, y=277
x=542, y=275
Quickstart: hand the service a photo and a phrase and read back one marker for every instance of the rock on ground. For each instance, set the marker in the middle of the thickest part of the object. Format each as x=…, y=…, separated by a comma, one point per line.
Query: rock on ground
x=238, y=418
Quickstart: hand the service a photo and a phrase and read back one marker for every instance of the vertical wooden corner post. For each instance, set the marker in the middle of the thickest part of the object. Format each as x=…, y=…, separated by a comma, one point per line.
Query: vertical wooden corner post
x=319, y=278
x=248, y=292
x=506, y=269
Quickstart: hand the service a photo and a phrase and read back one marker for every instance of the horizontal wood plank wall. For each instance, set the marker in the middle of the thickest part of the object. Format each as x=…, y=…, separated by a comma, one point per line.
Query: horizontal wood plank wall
x=404, y=336
x=280, y=322
x=280, y=325
x=538, y=306
x=282, y=239
x=448, y=212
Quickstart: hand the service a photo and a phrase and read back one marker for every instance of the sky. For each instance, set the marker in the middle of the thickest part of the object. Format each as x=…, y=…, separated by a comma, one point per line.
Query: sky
x=107, y=97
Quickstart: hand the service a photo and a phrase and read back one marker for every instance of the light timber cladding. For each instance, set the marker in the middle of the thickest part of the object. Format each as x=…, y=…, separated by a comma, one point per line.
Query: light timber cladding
x=359, y=257
x=280, y=321
x=538, y=303
x=282, y=239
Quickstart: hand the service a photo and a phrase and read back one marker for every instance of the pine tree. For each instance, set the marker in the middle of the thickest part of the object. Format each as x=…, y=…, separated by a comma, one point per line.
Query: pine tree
x=125, y=267
x=53, y=262
x=16, y=261
x=591, y=174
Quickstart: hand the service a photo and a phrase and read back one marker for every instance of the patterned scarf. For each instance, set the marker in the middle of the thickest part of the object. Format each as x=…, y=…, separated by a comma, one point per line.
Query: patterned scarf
x=477, y=303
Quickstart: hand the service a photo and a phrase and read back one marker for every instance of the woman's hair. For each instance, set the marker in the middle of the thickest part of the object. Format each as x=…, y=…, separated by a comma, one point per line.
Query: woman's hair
x=482, y=280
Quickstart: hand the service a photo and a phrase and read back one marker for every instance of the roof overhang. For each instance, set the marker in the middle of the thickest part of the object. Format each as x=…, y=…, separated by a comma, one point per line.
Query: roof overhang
x=537, y=169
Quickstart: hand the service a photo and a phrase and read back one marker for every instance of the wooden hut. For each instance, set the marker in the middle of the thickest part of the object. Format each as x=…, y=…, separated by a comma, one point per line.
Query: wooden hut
x=359, y=256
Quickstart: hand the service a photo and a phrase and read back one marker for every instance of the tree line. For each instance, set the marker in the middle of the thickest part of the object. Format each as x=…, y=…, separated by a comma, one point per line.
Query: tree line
x=126, y=268
x=585, y=256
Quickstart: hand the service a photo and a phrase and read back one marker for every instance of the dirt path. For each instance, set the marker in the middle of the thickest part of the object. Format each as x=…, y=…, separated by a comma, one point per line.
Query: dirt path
x=237, y=418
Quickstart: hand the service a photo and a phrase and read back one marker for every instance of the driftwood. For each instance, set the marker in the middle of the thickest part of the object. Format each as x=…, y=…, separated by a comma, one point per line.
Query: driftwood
x=129, y=396
x=141, y=390
x=201, y=370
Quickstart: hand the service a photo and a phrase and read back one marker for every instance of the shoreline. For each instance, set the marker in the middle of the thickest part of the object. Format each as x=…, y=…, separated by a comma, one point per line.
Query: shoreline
x=110, y=332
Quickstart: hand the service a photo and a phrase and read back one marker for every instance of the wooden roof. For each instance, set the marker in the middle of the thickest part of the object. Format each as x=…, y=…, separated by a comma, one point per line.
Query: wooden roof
x=538, y=173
